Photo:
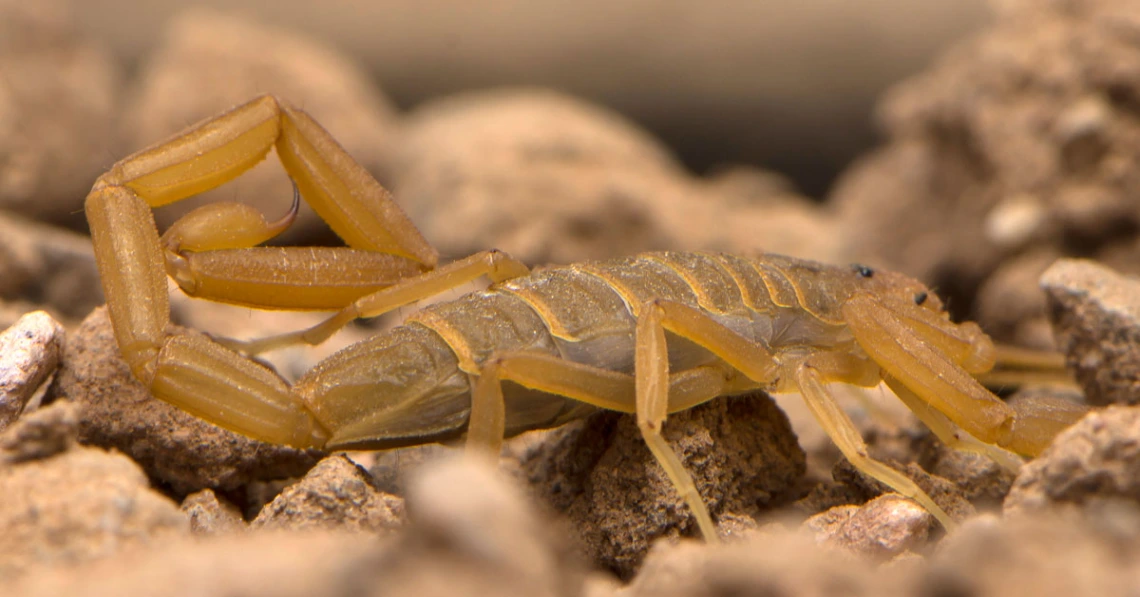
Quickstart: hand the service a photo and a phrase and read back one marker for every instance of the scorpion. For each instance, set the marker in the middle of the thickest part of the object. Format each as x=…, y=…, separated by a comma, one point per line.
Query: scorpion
x=648, y=335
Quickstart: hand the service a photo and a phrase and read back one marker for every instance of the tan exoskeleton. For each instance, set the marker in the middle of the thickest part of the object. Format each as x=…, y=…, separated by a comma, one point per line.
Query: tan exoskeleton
x=649, y=335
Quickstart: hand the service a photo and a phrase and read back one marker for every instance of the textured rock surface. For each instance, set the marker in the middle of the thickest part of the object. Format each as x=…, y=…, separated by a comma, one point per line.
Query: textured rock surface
x=885, y=527
x=740, y=451
x=80, y=505
x=552, y=179
x=336, y=494
x=1096, y=312
x=211, y=515
x=1097, y=458
x=49, y=266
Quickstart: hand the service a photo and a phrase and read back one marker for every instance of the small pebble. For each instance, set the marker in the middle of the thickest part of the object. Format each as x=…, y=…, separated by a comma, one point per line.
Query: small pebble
x=29, y=353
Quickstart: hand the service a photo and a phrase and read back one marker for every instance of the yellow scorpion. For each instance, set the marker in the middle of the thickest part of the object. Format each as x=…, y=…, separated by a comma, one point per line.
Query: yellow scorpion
x=650, y=335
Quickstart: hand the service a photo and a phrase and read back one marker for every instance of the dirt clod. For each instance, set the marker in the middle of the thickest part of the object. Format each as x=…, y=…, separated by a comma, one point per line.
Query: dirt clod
x=211, y=515
x=1096, y=313
x=336, y=494
x=885, y=527
x=44, y=432
x=178, y=450
x=1096, y=458
x=741, y=453
x=82, y=504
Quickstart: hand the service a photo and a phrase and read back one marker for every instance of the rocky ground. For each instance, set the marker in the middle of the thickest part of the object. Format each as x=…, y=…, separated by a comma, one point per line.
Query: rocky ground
x=1006, y=181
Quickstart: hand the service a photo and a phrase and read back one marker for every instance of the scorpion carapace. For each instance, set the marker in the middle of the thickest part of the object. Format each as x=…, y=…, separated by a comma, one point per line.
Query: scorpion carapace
x=649, y=335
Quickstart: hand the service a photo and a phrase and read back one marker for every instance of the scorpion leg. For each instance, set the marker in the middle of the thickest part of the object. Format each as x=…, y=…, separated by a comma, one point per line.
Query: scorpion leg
x=496, y=265
x=948, y=432
x=762, y=367
x=602, y=388
x=917, y=355
x=847, y=438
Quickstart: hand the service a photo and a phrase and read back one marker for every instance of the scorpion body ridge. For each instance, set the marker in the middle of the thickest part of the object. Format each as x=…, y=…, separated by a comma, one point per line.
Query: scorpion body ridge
x=650, y=334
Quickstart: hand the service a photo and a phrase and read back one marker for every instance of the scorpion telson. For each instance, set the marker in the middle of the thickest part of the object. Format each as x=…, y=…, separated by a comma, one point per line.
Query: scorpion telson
x=569, y=339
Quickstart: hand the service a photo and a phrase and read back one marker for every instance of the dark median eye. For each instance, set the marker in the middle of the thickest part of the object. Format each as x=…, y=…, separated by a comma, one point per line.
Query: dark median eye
x=863, y=270
x=920, y=298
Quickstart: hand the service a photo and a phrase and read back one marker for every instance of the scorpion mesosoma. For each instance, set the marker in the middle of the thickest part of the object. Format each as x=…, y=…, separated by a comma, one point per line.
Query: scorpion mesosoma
x=649, y=335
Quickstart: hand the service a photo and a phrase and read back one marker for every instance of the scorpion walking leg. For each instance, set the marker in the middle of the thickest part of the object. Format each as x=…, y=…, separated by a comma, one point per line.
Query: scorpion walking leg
x=598, y=387
x=763, y=368
x=496, y=265
x=948, y=432
x=917, y=356
x=843, y=432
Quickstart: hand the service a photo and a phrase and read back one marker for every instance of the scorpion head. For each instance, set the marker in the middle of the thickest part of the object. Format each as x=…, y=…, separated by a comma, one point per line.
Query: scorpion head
x=893, y=287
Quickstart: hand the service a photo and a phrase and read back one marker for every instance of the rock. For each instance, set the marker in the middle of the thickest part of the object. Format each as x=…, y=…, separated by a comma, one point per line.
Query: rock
x=980, y=480
x=271, y=564
x=776, y=562
x=42, y=433
x=1020, y=140
x=1011, y=303
x=883, y=528
x=29, y=353
x=1096, y=314
x=80, y=505
x=58, y=99
x=470, y=534
x=177, y=450
x=1047, y=556
x=740, y=451
x=543, y=176
x=335, y=494
x=211, y=515
x=1096, y=458
x=943, y=492
x=467, y=520
x=227, y=61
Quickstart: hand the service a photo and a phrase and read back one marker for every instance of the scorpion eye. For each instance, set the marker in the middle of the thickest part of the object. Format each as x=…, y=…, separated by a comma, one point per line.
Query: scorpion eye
x=920, y=297
x=863, y=270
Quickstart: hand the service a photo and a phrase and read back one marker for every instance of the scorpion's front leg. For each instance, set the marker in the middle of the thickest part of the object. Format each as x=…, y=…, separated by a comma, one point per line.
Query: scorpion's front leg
x=192, y=372
x=929, y=362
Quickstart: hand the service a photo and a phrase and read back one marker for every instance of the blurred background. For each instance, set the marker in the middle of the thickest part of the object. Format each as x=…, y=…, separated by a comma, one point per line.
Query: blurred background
x=784, y=84
x=967, y=143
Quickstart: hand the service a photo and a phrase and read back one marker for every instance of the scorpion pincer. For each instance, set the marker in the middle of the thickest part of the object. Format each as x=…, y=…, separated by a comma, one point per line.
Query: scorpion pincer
x=649, y=335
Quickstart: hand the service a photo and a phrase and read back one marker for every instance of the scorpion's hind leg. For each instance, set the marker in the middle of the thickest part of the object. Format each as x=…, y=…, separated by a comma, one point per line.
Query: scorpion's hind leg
x=601, y=388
